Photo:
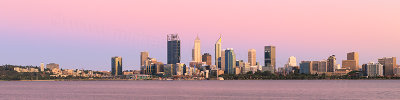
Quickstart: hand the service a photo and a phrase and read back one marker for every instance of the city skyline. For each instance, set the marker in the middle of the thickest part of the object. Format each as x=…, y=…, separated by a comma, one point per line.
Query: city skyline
x=75, y=39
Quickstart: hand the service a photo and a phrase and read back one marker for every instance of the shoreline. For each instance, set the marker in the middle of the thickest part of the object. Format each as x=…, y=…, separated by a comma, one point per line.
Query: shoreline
x=188, y=80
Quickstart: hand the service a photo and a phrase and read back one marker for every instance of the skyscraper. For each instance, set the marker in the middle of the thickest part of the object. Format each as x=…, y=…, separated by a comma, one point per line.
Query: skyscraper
x=218, y=52
x=252, y=57
x=353, y=56
x=230, y=61
x=143, y=57
x=207, y=58
x=388, y=65
x=351, y=62
x=270, y=58
x=196, y=52
x=174, y=49
x=331, y=63
x=116, y=66
x=222, y=60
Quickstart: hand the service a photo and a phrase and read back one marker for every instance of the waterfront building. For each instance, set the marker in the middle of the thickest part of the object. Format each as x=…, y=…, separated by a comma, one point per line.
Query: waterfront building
x=222, y=60
x=252, y=58
x=255, y=68
x=116, y=66
x=389, y=63
x=173, y=49
x=170, y=70
x=245, y=68
x=151, y=66
x=291, y=66
x=207, y=58
x=270, y=58
x=230, y=61
x=196, y=51
x=331, y=63
x=396, y=71
x=314, y=67
x=306, y=67
x=373, y=69
x=352, y=61
x=42, y=67
x=160, y=68
x=341, y=71
x=180, y=69
x=322, y=66
x=292, y=61
x=218, y=54
x=143, y=57
x=239, y=63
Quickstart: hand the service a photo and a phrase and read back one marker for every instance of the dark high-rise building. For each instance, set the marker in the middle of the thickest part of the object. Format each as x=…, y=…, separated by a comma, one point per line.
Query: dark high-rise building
x=116, y=66
x=270, y=58
x=174, y=49
x=207, y=58
x=230, y=61
x=331, y=63
x=306, y=67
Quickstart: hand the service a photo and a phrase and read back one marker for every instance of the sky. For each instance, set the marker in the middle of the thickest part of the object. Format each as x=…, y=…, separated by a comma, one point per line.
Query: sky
x=85, y=34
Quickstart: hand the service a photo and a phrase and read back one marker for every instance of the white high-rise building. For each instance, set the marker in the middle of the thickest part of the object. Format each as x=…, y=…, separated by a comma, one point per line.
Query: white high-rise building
x=374, y=69
x=196, y=53
x=292, y=61
x=42, y=67
x=218, y=51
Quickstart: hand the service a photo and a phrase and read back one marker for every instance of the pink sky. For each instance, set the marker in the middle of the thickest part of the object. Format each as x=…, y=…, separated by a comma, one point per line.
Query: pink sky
x=85, y=34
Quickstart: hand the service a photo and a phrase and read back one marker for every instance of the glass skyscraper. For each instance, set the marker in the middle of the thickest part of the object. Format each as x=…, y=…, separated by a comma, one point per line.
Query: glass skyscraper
x=116, y=66
x=230, y=61
x=270, y=57
x=174, y=49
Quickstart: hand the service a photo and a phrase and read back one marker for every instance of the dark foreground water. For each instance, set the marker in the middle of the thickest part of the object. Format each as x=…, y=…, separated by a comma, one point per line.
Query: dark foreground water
x=201, y=90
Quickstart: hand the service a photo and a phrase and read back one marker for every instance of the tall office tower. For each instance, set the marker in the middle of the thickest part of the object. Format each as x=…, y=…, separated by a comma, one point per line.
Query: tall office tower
x=207, y=58
x=292, y=61
x=252, y=57
x=306, y=67
x=218, y=52
x=222, y=60
x=143, y=57
x=270, y=57
x=388, y=65
x=230, y=61
x=351, y=62
x=174, y=49
x=353, y=56
x=42, y=67
x=331, y=63
x=373, y=69
x=116, y=66
x=196, y=52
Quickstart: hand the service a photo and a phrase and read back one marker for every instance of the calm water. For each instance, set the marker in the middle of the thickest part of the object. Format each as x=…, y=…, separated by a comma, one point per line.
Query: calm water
x=201, y=90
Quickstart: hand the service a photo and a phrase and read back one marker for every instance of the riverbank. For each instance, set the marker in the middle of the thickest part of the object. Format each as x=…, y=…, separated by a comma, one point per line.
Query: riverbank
x=181, y=80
